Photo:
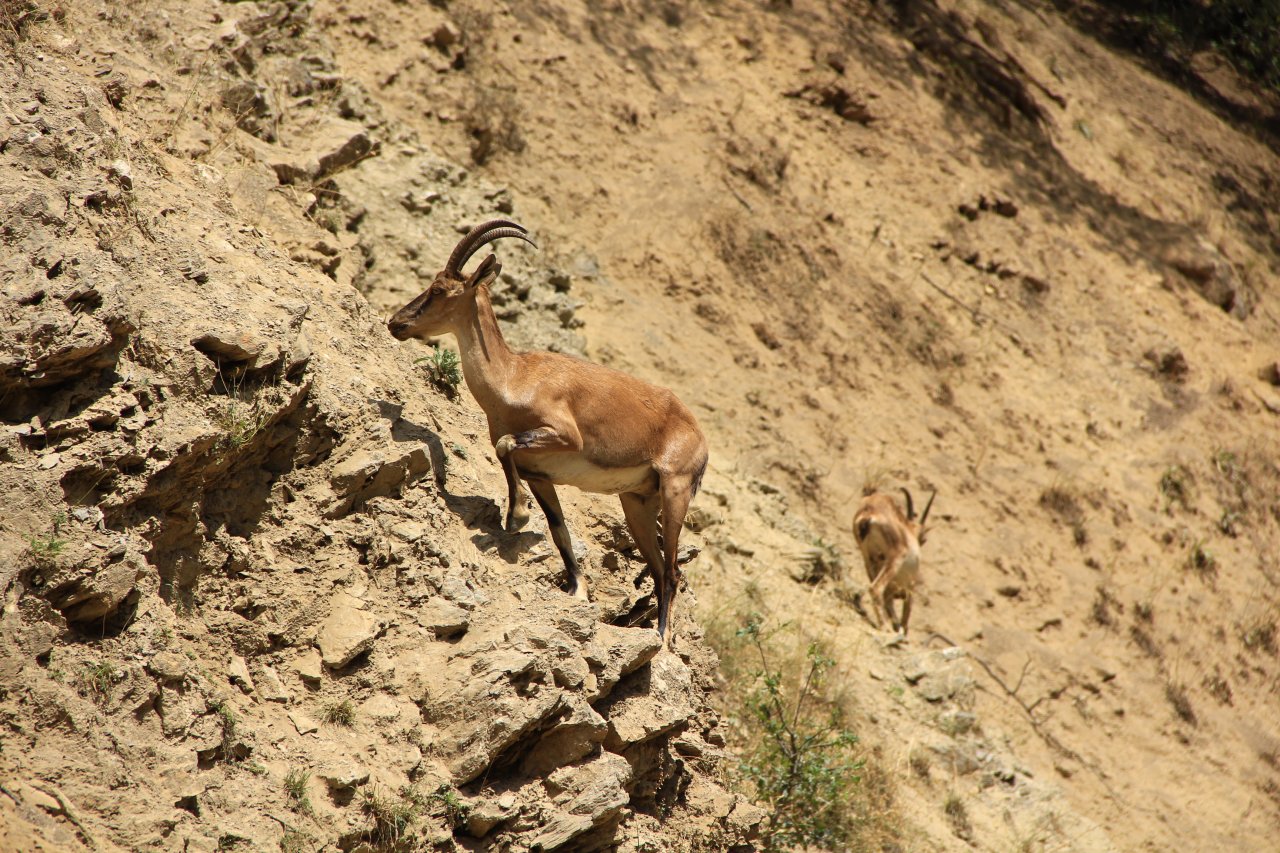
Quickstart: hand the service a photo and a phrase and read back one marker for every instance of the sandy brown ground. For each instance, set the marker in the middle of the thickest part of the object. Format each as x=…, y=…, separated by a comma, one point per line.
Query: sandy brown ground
x=845, y=304
x=955, y=246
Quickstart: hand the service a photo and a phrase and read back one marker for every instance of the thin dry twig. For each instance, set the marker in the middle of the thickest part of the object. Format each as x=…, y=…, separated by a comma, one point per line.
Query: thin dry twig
x=71, y=815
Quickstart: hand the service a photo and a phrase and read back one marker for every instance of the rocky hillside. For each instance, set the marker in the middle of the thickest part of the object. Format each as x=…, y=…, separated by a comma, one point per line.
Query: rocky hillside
x=256, y=590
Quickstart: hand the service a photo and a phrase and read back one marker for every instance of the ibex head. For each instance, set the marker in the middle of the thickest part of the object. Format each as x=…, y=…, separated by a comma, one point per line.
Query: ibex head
x=434, y=311
x=921, y=529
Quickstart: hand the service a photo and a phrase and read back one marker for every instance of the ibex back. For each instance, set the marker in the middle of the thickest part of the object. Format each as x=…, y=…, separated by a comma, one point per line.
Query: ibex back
x=557, y=420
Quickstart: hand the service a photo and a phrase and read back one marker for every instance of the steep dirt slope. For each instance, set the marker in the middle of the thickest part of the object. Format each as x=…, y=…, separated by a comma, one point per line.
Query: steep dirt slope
x=256, y=591
x=956, y=246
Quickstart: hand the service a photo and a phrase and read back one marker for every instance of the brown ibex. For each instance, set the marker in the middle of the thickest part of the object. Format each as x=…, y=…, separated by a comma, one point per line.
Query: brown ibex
x=890, y=545
x=558, y=420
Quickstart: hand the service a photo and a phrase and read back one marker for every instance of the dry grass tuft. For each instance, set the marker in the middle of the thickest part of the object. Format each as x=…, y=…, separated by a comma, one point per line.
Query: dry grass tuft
x=1181, y=702
x=341, y=714
x=958, y=816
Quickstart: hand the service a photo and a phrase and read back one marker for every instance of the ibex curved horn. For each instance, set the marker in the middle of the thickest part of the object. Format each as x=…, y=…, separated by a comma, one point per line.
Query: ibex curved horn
x=911, y=508
x=485, y=232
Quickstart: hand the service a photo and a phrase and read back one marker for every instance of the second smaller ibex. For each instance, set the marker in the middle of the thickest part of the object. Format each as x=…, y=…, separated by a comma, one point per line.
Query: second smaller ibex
x=557, y=420
x=890, y=545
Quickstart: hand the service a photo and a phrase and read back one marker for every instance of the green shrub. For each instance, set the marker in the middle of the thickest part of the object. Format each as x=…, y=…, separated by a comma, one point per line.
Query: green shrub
x=803, y=765
x=1245, y=32
x=239, y=422
x=448, y=806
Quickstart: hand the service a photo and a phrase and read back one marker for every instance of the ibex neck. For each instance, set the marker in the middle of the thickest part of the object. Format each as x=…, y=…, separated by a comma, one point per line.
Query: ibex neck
x=487, y=361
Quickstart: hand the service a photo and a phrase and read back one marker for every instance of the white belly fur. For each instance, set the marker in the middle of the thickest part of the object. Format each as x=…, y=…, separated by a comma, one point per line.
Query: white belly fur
x=569, y=469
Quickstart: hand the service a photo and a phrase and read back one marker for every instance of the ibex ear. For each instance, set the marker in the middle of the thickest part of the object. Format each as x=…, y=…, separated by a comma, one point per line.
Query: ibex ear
x=486, y=272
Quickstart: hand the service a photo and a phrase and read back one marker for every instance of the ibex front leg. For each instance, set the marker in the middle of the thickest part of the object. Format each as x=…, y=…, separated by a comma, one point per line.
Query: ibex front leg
x=543, y=439
x=545, y=494
x=517, y=498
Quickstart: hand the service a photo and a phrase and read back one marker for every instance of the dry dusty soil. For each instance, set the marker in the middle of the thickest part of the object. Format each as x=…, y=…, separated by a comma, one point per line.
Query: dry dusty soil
x=255, y=590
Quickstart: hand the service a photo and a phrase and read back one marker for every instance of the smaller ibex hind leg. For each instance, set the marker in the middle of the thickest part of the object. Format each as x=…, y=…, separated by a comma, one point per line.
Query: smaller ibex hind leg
x=881, y=588
x=875, y=568
x=889, y=609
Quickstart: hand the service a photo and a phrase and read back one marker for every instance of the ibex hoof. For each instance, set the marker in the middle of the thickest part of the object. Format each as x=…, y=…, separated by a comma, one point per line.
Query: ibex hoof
x=517, y=519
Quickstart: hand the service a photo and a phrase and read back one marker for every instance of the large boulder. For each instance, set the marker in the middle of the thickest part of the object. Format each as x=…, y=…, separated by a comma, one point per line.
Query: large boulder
x=349, y=631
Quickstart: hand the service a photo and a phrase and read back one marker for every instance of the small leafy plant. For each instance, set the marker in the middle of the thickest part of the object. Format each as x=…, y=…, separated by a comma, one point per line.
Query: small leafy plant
x=295, y=789
x=1181, y=702
x=822, y=560
x=958, y=816
x=1175, y=486
x=45, y=549
x=1260, y=635
x=239, y=423
x=1201, y=561
x=1229, y=523
x=443, y=369
x=227, y=717
x=97, y=681
x=446, y=804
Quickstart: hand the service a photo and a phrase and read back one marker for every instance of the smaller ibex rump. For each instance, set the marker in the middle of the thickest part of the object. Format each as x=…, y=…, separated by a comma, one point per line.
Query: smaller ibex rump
x=890, y=545
x=556, y=420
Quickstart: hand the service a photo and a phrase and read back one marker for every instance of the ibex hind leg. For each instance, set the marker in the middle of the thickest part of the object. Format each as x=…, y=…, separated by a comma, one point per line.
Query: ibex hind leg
x=676, y=493
x=642, y=520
